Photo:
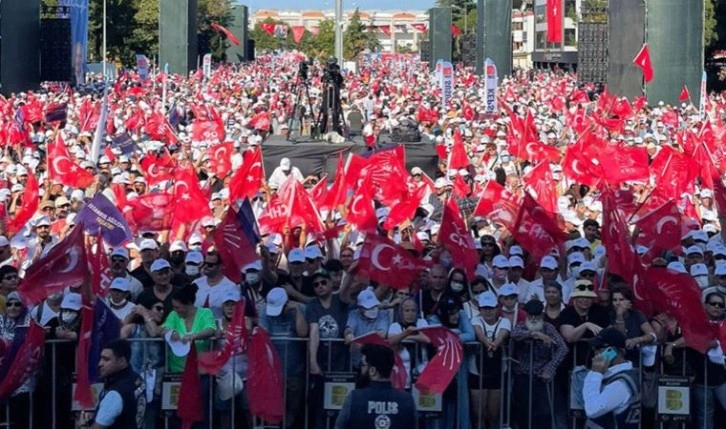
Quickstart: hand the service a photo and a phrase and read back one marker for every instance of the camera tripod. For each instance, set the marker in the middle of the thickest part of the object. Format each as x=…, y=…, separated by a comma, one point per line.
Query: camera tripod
x=330, y=116
x=301, y=88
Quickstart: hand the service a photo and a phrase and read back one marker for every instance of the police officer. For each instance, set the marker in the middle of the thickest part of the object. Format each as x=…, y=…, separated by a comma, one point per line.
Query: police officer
x=610, y=392
x=122, y=403
x=378, y=405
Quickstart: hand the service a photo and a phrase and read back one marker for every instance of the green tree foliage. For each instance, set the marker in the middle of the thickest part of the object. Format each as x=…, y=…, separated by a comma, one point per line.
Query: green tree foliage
x=356, y=39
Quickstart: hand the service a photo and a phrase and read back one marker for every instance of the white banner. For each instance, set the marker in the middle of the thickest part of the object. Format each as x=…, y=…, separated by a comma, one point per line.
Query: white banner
x=446, y=82
x=142, y=66
x=490, y=87
x=704, y=94
x=207, y=65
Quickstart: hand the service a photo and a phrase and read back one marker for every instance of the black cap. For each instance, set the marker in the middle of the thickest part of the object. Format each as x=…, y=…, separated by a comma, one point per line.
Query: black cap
x=320, y=273
x=609, y=337
x=534, y=307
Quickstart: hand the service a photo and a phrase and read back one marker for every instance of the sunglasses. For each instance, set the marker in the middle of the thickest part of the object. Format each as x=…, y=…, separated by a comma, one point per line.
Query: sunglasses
x=320, y=283
x=587, y=275
x=487, y=244
x=717, y=304
x=18, y=305
x=585, y=287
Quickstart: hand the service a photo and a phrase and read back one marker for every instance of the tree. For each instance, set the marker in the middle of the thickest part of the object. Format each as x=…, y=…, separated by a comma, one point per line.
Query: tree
x=710, y=36
x=264, y=41
x=356, y=39
x=324, y=43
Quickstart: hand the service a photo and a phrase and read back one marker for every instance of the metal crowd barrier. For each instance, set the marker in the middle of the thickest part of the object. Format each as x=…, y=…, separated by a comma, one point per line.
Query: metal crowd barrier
x=674, y=387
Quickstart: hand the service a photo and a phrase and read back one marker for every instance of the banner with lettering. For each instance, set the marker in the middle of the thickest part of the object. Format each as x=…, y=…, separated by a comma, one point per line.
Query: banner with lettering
x=207, y=66
x=446, y=82
x=100, y=213
x=490, y=87
x=142, y=66
x=704, y=94
x=79, y=36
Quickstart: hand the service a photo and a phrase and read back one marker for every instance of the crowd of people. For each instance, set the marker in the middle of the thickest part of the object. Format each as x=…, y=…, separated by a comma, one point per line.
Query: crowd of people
x=527, y=321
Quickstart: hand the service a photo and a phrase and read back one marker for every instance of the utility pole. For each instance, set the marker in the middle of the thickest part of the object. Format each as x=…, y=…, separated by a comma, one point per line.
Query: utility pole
x=339, y=31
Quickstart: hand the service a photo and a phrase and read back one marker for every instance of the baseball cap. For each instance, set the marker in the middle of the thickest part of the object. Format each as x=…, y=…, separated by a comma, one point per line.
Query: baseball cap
x=71, y=301
x=256, y=266
x=516, y=261
x=194, y=257
x=677, y=266
x=285, y=164
x=148, y=244
x=534, y=307
x=706, y=193
x=43, y=220
x=121, y=252
x=548, y=262
x=508, y=289
x=608, y=337
x=296, y=255
x=575, y=258
x=159, y=264
x=231, y=295
x=61, y=201
x=120, y=283
x=699, y=270
x=694, y=250
x=367, y=299
x=177, y=246
x=583, y=289
x=500, y=261
x=313, y=252
x=440, y=183
x=516, y=250
x=720, y=270
x=276, y=300
x=487, y=300
x=587, y=266
x=4, y=241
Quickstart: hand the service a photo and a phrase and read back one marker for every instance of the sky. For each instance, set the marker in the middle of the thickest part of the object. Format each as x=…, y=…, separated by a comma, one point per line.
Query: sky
x=330, y=4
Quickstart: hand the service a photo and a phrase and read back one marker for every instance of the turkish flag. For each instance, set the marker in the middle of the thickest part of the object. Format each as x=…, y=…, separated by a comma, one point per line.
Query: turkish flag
x=264, y=378
x=236, y=239
x=274, y=217
x=399, y=375
x=235, y=342
x=555, y=9
x=88, y=116
x=63, y=169
x=207, y=131
x=99, y=267
x=458, y=157
x=536, y=230
x=388, y=263
x=455, y=237
x=247, y=181
x=155, y=168
x=578, y=167
x=269, y=28
x=540, y=181
x=660, y=229
x=189, y=407
x=454, y=30
x=220, y=156
x=190, y=203
x=150, y=212
x=468, y=112
x=63, y=266
x=642, y=60
x=230, y=36
x=442, y=369
x=685, y=95
x=622, y=259
x=260, y=121
x=361, y=212
x=158, y=128
x=319, y=191
x=406, y=209
x=28, y=207
x=679, y=295
x=336, y=195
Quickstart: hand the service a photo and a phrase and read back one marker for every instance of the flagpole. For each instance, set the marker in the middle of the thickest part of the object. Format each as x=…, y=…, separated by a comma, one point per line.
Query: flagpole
x=104, y=40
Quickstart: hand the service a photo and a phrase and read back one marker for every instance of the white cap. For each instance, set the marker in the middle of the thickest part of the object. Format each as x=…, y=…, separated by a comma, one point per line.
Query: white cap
x=440, y=183
x=313, y=252
x=194, y=257
x=575, y=258
x=706, y=193
x=178, y=245
x=231, y=295
x=276, y=300
x=208, y=221
x=285, y=164
x=548, y=262
x=720, y=270
x=159, y=264
x=677, y=266
x=255, y=266
x=43, y=220
x=423, y=236
x=178, y=348
x=416, y=170
x=699, y=235
x=71, y=301
x=641, y=250
x=516, y=261
x=500, y=261
x=508, y=289
x=367, y=299
x=487, y=299
x=693, y=250
x=120, y=283
x=516, y=250
x=699, y=270
x=296, y=255
x=4, y=241
x=587, y=266
x=148, y=244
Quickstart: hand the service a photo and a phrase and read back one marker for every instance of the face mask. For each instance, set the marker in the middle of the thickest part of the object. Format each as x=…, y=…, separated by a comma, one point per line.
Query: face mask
x=191, y=270
x=122, y=302
x=702, y=281
x=371, y=314
x=195, y=248
x=252, y=277
x=575, y=271
x=68, y=316
x=457, y=286
x=506, y=159
x=534, y=325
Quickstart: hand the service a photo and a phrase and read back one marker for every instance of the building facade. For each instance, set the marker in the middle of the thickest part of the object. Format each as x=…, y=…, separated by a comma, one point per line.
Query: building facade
x=551, y=55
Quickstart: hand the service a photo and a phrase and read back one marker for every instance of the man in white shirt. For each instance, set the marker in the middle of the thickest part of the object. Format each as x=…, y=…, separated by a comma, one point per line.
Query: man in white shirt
x=548, y=272
x=281, y=173
x=213, y=285
x=118, y=298
x=119, y=262
x=516, y=268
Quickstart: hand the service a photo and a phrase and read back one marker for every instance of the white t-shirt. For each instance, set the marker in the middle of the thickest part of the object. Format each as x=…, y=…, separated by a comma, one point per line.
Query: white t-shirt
x=491, y=331
x=122, y=312
x=216, y=294
x=396, y=329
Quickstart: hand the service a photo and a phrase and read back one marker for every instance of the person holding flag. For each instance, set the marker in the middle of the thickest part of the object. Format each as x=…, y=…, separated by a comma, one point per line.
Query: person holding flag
x=16, y=317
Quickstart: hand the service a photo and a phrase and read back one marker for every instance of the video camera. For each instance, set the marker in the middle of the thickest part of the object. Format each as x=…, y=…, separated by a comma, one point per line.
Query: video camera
x=303, y=69
x=332, y=73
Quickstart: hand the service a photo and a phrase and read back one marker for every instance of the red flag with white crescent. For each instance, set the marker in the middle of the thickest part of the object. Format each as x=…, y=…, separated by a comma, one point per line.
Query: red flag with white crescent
x=455, y=237
x=247, y=181
x=660, y=229
x=388, y=263
x=442, y=369
x=190, y=203
x=28, y=207
x=220, y=156
x=63, y=169
x=361, y=212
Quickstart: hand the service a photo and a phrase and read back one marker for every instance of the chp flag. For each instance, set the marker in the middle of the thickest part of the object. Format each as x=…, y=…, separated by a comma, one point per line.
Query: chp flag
x=446, y=82
x=490, y=86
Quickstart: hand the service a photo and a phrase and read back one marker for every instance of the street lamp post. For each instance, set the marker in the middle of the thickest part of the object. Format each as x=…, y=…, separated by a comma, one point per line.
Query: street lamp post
x=104, y=40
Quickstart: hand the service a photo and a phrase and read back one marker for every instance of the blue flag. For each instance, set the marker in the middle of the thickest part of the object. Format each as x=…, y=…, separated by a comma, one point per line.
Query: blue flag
x=106, y=328
x=100, y=213
x=125, y=143
x=248, y=222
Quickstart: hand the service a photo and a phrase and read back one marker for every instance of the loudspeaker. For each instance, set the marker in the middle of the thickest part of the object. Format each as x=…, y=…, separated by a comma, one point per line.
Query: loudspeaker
x=439, y=35
x=19, y=45
x=425, y=51
x=250, y=53
x=494, y=35
x=236, y=54
x=55, y=50
x=178, y=35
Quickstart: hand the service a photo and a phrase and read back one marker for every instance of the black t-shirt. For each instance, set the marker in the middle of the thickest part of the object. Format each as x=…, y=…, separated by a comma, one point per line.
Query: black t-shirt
x=147, y=298
x=331, y=324
x=144, y=277
x=569, y=316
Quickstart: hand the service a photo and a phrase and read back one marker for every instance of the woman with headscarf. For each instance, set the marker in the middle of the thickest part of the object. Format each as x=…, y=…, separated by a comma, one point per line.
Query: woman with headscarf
x=16, y=315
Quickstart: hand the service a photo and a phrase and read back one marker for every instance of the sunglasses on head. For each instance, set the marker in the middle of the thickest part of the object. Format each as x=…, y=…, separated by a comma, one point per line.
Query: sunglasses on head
x=589, y=287
x=18, y=305
x=718, y=304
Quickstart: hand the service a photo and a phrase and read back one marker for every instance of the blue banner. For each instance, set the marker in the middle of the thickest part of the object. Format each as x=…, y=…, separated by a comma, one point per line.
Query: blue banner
x=79, y=36
x=100, y=213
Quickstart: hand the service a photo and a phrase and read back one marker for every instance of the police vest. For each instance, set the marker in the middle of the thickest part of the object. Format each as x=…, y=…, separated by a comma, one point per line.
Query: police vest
x=379, y=406
x=630, y=417
x=132, y=390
